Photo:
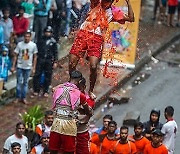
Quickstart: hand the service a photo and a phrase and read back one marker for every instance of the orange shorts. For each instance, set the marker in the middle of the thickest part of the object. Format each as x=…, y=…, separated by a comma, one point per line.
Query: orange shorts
x=87, y=42
x=62, y=143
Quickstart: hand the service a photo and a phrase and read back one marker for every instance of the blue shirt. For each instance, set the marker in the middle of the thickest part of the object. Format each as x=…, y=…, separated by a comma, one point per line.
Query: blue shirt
x=1, y=35
x=42, y=8
x=4, y=67
x=8, y=28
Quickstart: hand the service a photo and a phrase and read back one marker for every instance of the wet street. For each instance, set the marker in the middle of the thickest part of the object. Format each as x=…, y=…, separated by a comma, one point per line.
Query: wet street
x=155, y=86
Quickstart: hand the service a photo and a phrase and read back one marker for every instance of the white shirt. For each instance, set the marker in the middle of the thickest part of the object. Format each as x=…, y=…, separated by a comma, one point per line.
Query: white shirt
x=22, y=141
x=169, y=129
x=25, y=53
x=98, y=29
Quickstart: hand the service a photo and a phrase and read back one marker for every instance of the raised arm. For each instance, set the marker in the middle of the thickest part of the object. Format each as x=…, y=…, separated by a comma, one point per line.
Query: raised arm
x=120, y=17
x=130, y=16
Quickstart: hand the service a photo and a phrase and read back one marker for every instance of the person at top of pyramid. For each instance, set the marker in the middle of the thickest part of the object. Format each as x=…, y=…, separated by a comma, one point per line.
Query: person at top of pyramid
x=90, y=37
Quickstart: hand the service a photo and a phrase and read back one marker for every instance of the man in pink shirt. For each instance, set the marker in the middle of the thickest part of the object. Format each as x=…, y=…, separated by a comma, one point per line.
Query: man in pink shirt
x=66, y=99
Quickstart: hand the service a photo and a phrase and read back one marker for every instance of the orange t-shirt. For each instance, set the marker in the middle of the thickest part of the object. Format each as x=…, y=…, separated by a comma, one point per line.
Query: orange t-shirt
x=95, y=135
x=39, y=131
x=149, y=149
x=95, y=139
x=105, y=145
x=93, y=148
x=128, y=148
x=141, y=143
x=102, y=132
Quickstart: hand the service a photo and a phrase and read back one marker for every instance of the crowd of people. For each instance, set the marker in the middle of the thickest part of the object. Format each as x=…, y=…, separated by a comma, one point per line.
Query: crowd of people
x=59, y=17
x=37, y=55
x=29, y=33
x=149, y=137
x=164, y=11
x=62, y=15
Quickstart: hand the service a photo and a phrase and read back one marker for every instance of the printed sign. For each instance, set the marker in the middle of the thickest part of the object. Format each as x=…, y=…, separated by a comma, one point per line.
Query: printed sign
x=121, y=39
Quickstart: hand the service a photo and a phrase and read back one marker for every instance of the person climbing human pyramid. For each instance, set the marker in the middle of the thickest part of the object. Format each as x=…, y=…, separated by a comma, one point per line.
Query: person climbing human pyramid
x=91, y=35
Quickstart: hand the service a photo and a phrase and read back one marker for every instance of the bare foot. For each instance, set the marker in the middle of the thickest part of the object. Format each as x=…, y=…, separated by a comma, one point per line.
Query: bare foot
x=24, y=101
x=34, y=95
x=16, y=101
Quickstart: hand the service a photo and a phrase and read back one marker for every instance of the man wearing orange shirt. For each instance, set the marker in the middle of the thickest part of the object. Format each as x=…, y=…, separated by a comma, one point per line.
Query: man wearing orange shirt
x=106, y=141
x=156, y=146
x=123, y=145
x=104, y=129
x=93, y=149
x=139, y=140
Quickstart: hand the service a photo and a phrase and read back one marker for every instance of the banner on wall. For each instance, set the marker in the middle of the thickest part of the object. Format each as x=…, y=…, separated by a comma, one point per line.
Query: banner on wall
x=121, y=39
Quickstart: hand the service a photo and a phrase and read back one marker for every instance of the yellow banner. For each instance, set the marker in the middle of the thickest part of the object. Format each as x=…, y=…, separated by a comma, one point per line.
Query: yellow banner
x=120, y=47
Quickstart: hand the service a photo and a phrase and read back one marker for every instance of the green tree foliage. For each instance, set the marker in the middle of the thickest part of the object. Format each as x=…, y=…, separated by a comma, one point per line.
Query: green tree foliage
x=32, y=117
